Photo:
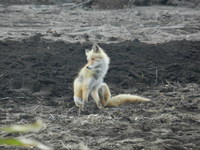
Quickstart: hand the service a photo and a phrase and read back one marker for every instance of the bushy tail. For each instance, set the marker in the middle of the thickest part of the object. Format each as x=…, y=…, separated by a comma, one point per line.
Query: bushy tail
x=125, y=98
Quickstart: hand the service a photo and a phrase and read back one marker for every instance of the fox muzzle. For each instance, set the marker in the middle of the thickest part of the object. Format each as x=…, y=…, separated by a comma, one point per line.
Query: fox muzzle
x=88, y=67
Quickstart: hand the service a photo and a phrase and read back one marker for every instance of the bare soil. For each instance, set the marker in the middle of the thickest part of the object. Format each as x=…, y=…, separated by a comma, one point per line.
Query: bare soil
x=155, y=24
x=36, y=82
x=38, y=65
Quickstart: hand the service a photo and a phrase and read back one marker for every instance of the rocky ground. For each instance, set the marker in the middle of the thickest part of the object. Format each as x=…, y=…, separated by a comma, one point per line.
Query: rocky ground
x=42, y=50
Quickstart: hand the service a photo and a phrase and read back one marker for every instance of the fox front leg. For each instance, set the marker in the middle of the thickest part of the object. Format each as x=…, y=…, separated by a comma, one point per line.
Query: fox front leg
x=78, y=94
x=104, y=94
x=78, y=101
x=85, y=95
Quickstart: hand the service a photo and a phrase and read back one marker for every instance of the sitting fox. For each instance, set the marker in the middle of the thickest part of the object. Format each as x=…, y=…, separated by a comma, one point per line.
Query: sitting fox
x=90, y=82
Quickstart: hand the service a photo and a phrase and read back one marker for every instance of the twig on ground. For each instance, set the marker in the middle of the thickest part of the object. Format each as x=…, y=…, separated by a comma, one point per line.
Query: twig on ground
x=5, y=98
x=178, y=84
x=51, y=117
x=156, y=82
x=71, y=109
x=163, y=107
x=70, y=89
x=168, y=83
x=65, y=146
x=41, y=106
x=36, y=107
x=83, y=4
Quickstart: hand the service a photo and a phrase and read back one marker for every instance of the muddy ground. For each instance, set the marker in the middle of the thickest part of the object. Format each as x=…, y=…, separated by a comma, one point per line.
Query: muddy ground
x=37, y=69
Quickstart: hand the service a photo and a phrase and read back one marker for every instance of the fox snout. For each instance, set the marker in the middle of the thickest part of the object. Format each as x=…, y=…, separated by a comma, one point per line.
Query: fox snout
x=89, y=67
x=92, y=64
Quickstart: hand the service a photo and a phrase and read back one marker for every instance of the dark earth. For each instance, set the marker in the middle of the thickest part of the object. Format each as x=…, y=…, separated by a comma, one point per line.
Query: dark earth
x=36, y=78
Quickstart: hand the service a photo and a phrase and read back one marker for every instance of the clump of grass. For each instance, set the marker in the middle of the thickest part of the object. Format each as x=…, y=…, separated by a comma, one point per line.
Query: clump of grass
x=23, y=142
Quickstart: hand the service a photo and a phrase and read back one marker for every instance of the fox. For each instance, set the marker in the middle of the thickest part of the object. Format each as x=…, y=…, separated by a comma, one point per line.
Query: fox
x=90, y=82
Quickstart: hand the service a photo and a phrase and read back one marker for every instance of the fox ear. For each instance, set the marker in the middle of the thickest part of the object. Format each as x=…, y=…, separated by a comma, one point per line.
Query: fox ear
x=96, y=48
x=87, y=51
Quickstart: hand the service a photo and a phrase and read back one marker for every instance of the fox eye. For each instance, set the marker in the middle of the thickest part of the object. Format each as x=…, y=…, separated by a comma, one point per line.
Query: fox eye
x=92, y=58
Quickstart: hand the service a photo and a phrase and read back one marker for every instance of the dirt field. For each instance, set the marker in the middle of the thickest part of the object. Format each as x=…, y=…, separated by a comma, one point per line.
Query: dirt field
x=155, y=24
x=36, y=82
x=37, y=71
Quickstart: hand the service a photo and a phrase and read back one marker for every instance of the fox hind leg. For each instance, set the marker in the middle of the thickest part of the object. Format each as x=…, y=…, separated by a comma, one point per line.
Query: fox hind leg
x=104, y=94
x=96, y=97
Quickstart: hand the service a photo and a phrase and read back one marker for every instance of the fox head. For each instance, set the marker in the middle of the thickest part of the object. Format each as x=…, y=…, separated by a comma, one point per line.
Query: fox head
x=96, y=57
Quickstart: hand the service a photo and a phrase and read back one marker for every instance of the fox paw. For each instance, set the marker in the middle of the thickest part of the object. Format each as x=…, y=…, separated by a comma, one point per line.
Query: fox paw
x=100, y=106
x=78, y=101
